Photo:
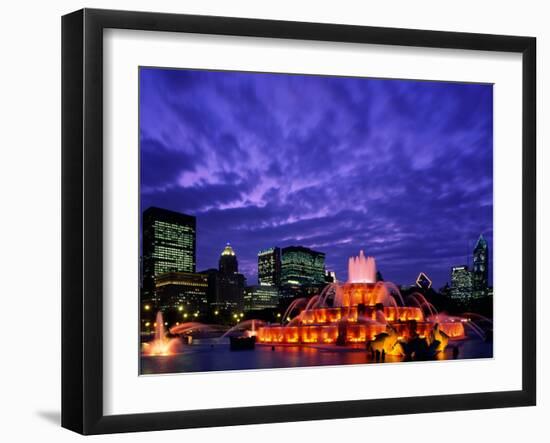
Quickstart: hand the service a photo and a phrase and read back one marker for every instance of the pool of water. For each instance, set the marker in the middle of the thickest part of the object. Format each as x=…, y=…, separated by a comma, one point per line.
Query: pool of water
x=214, y=355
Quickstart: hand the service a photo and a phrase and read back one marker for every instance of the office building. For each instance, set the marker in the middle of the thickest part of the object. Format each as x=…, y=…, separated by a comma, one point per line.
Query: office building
x=169, y=245
x=269, y=267
x=185, y=292
x=260, y=297
x=229, y=282
x=228, y=263
x=302, y=266
x=461, y=283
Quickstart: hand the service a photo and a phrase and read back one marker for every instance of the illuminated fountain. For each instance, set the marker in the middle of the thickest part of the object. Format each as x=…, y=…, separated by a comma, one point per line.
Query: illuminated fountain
x=161, y=345
x=188, y=328
x=246, y=328
x=364, y=310
x=242, y=336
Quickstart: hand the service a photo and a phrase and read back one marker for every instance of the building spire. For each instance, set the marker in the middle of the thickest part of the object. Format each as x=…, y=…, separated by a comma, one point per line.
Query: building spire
x=228, y=250
x=480, y=241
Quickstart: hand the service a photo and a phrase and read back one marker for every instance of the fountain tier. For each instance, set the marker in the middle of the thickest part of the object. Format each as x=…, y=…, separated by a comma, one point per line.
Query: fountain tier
x=357, y=311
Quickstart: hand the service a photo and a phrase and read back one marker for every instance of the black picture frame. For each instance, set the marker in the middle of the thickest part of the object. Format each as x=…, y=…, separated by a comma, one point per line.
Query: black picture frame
x=82, y=217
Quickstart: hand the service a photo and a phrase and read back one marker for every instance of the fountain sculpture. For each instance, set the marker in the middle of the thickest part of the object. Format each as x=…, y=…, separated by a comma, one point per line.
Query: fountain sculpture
x=363, y=310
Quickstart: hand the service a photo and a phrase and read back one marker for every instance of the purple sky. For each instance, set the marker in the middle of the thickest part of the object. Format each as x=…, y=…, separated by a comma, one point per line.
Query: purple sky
x=401, y=169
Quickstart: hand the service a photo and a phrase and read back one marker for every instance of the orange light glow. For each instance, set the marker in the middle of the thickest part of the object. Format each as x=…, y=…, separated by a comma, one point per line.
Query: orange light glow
x=360, y=312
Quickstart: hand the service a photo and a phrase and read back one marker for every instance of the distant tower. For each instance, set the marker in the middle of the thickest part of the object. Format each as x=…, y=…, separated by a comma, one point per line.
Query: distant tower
x=230, y=283
x=228, y=263
x=480, y=272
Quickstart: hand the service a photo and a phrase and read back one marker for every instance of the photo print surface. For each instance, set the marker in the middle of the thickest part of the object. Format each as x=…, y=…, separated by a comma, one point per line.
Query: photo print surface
x=301, y=220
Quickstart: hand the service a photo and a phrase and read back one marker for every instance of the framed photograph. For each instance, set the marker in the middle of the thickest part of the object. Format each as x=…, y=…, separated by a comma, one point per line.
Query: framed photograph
x=269, y=221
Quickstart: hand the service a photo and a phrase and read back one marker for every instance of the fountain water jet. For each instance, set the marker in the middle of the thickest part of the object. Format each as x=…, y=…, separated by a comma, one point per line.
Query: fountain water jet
x=312, y=302
x=361, y=269
x=190, y=327
x=161, y=345
x=478, y=317
x=296, y=304
x=476, y=329
x=421, y=301
x=251, y=324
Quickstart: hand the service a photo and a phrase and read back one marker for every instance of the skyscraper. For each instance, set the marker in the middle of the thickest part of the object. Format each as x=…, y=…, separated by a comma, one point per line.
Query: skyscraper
x=302, y=266
x=228, y=263
x=461, y=283
x=269, y=267
x=480, y=273
x=230, y=283
x=169, y=245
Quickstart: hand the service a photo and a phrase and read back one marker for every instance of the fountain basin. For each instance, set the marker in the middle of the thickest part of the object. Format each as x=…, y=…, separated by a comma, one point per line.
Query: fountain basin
x=356, y=313
x=352, y=332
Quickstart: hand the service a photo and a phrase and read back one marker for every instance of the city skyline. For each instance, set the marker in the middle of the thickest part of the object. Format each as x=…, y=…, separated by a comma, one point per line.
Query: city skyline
x=470, y=258
x=333, y=164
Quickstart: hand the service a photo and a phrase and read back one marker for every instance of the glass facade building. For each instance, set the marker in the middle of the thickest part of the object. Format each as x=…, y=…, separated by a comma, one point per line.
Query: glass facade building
x=169, y=245
x=260, y=297
x=480, y=273
x=269, y=267
x=461, y=283
x=302, y=266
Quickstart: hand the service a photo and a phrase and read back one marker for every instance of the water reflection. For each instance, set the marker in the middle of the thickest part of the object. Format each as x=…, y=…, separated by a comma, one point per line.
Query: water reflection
x=211, y=355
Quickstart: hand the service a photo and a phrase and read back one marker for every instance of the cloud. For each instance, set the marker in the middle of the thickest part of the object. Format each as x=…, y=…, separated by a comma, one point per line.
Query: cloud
x=160, y=166
x=402, y=169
